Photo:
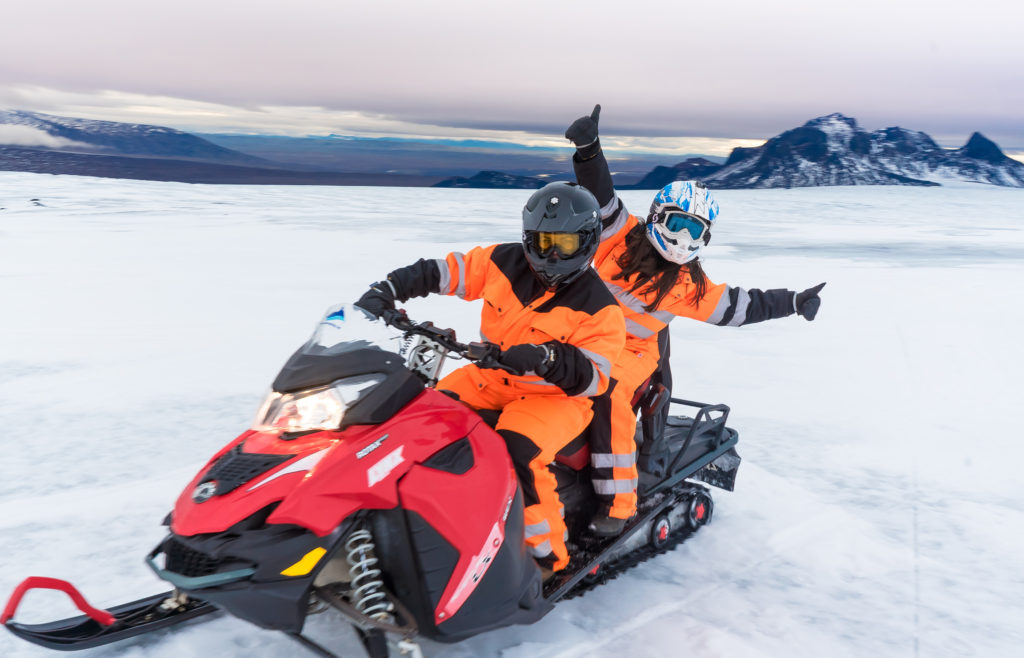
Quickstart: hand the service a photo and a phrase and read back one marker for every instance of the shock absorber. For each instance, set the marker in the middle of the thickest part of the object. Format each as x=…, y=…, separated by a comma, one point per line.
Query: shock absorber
x=368, y=595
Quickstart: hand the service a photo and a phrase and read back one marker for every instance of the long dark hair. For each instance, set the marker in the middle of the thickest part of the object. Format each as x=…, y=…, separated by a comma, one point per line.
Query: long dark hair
x=654, y=271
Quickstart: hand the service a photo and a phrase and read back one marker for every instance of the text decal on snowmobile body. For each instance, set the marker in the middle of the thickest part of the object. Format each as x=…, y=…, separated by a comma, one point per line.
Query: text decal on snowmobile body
x=370, y=448
x=383, y=468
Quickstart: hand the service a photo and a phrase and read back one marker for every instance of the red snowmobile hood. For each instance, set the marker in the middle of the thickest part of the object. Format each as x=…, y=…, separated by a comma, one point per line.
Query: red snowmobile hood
x=320, y=478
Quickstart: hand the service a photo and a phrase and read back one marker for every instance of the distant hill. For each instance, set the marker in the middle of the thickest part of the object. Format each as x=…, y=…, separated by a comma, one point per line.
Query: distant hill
x=494, y=180
x=14, y=158
x=129, y=139
x=61, y=145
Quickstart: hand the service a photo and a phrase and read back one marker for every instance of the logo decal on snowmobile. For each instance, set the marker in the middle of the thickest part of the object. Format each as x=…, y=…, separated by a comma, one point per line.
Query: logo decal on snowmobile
x=383, y=468
x=304, y=464
x=204, y=491
x=370, y=448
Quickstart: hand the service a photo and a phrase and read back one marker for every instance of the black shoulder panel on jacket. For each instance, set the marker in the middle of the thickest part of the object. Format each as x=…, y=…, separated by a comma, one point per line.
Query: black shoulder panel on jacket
x=587, y=294
x=511, y=260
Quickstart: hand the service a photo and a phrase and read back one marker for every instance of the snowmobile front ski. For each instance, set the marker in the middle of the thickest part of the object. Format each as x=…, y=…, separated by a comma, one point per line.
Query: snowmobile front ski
x=98, y=627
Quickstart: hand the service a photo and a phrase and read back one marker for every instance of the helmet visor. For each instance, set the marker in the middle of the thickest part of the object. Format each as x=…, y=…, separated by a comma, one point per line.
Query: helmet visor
x=677, y=221
x=544, y=243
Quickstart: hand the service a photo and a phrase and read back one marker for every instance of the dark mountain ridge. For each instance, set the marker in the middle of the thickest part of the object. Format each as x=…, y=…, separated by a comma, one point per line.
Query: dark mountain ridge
x=834, y=150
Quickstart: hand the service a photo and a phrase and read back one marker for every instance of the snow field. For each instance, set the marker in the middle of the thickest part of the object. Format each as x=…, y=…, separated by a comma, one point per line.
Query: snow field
x=878, y=510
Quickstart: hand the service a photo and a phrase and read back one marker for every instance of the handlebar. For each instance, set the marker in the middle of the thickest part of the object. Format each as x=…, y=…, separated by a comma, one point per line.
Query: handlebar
x=483, y=354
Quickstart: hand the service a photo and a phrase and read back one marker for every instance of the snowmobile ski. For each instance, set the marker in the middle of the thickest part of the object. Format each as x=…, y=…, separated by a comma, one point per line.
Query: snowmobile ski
x=98, y=627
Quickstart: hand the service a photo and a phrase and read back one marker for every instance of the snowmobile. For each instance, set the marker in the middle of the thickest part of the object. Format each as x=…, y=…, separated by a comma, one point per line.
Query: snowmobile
x=364, y=490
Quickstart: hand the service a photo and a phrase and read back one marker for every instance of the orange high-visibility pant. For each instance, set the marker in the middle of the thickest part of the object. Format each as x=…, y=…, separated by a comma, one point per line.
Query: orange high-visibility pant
x=535, y=427
x=613, y=446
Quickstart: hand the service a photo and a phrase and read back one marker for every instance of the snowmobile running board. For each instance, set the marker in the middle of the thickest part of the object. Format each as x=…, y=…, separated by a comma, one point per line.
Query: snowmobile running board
x=98, y=627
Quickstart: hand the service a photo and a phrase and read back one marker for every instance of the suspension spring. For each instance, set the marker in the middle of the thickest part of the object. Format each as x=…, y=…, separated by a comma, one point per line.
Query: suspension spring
x=368, y=595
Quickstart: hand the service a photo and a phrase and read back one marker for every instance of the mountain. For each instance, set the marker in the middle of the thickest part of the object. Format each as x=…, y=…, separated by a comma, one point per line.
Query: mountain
x=494, y=180
x=13, y=158
x=42, y=143
x=659, y=177
x=113, y=138
x=834, y=150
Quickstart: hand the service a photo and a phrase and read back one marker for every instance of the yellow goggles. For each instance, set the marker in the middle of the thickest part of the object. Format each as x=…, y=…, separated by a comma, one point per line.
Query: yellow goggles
x=545, y=242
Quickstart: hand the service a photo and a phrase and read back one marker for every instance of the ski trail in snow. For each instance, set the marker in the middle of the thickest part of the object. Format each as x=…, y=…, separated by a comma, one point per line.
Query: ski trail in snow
x=159, y=489
x=812, y=527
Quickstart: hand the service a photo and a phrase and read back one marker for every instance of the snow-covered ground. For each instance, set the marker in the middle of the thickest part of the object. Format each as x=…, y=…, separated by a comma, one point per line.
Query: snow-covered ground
x=879, y=509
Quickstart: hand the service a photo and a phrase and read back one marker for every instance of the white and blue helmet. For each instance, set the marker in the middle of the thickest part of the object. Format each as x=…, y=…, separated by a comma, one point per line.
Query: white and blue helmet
x=680, y=220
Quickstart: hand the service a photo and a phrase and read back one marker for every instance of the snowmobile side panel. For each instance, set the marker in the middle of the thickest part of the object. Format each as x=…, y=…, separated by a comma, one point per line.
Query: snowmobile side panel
x=474, y=525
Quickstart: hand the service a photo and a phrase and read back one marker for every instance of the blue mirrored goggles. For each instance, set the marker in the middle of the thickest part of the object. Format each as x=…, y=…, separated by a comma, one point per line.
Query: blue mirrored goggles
x=677, y=221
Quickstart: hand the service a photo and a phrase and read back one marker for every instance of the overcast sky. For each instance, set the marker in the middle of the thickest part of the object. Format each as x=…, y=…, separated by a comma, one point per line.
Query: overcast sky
x=666, y=73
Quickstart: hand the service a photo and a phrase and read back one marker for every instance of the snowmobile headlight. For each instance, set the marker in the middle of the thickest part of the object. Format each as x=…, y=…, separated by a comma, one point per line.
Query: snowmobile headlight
x=314, y=409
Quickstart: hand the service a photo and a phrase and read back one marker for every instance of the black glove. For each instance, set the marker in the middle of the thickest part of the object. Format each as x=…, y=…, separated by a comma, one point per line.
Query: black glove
x=808, y=302
x=583, y=131
x=526, y=357
x=379, y=298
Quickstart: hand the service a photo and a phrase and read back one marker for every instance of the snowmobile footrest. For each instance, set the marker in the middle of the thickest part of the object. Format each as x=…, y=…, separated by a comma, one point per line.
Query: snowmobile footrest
x=92, y=629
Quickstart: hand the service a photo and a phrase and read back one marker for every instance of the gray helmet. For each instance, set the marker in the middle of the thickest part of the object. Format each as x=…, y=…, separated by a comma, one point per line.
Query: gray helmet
x=561, y=231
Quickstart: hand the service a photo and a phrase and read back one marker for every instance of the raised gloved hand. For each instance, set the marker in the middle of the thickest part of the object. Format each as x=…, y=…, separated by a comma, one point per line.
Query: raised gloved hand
x=807, y=302
x=378, y=299
x=583, y=131
x=528, y=357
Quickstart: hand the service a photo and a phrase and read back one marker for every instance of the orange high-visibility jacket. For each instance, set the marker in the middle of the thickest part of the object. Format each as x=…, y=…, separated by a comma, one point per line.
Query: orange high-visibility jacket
x=717, y=306
x=518, y=309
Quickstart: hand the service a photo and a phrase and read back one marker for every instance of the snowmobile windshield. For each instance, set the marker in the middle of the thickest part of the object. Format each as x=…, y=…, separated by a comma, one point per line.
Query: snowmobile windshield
x=347, y=328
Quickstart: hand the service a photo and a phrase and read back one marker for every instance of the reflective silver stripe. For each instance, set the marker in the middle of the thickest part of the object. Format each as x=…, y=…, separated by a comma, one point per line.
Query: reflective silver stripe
x=608, y=460
x=542, y=549
x=603, y=364
x=608, y=487
x=663, y=316
x=636, y=329
x=608, y=208
x=720, y=309
x=595, y=384
x=535, y=529
x=625, y=298
x=620, y=221
x=740, y=314
x=446, y=277
x=461, y=260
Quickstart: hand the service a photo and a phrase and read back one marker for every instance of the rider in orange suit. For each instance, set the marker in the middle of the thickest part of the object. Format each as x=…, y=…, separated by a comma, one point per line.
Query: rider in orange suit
x=652, y=267
x=555, y=322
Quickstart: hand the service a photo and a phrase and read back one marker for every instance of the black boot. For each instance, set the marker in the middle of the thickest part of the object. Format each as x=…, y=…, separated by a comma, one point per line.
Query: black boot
x=606, y=526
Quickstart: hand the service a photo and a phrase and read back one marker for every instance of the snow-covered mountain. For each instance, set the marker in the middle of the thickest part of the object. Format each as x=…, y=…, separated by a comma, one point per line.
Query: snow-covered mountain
x=36, y=130
x=834, y=150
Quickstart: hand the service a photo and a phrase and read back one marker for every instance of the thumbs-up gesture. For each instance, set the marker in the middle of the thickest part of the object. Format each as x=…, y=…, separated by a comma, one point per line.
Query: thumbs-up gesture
x=583, y=131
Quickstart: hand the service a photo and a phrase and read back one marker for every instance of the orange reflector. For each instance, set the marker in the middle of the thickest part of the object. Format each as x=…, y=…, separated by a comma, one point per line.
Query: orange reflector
x=306, y=564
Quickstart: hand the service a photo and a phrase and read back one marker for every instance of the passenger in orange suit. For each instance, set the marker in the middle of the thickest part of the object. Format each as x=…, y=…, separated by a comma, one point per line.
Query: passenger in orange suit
x=652, y=267
x=554, y=321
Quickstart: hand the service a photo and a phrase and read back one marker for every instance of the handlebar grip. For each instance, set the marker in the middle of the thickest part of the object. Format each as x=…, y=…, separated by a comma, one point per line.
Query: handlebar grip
x=488, y=356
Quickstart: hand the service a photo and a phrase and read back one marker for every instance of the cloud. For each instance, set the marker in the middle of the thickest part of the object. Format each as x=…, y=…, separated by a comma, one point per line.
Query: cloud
x=299, y=121
x=12, y=135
